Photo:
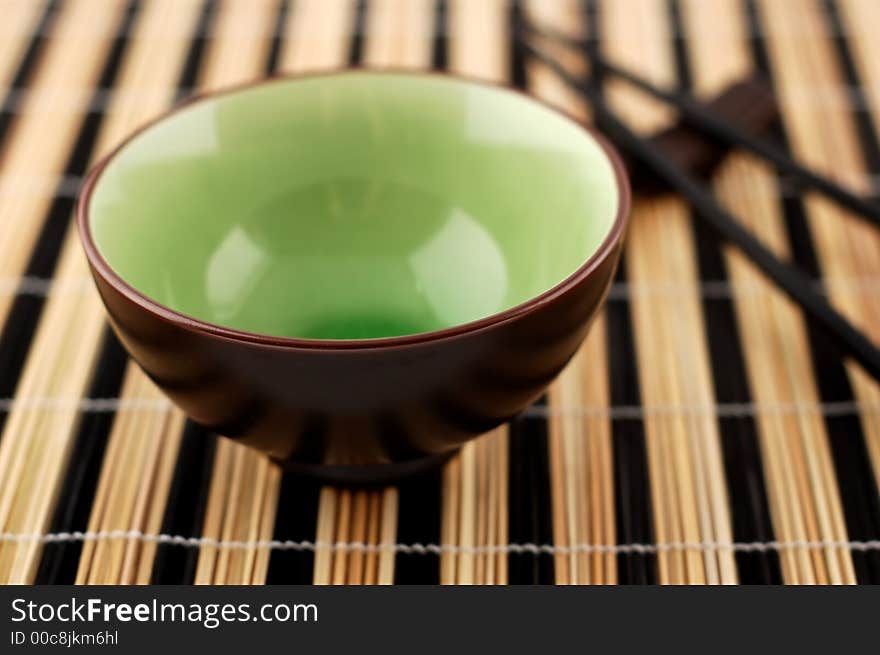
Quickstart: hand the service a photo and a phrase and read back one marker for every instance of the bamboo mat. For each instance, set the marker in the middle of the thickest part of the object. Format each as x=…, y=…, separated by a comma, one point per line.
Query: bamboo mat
x=704, y=434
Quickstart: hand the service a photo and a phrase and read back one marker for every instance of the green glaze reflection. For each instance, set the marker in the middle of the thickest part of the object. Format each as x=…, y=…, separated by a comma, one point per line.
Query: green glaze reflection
x=354, y=205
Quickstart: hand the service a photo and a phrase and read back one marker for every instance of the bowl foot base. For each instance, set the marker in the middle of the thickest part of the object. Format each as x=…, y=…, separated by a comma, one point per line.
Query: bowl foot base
x=369, y=475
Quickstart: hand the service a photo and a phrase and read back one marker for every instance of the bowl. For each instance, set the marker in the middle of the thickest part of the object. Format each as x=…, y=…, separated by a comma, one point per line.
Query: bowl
x=355, y=272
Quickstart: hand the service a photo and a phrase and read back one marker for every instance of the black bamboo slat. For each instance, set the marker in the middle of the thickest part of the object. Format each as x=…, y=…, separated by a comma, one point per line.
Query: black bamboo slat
x=743, y=467
x=185, y=512
x=419, y=523
x=828, y=365
x=631, y=486
x=860, y=488
x=297, y=516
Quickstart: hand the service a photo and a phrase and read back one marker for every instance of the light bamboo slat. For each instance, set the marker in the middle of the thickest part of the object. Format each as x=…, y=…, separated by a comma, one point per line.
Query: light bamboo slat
x=688, y=488
x=856, y=15
x=243, y=493
x=33, y=156
x=823, y=135
x=142, y=449
x=317, y=35
x=475, y=481
x=795, y=450
x=36, y=443
x=581, y=470
x=356, y=517
x=132, y=491
x=19, y=19
x=398, y=34
x=479, y=38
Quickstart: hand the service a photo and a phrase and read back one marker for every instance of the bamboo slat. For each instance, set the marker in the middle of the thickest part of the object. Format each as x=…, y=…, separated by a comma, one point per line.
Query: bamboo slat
x=33, y=157
x=823, y=135
x=142, y=446
x=19, y=20
x=317, y=35
x=36, y=442
x=475, y=481
x=398, y=34
x=580, y=446
x=856, y=14
x=244, y=486
x=687, y=477
x=479, y=38
x=132, y=491
x=801, y=487
x=356, y=517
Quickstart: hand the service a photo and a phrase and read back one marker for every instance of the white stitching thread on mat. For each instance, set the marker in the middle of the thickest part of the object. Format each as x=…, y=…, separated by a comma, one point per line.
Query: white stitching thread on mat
x=86, y=404
x=30, y=285
x=721, y=410
x=439, y=549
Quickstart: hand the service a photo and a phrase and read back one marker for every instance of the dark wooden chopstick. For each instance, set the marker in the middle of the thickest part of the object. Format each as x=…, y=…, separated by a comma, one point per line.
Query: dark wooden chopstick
x=698, y=116
x=800, y=288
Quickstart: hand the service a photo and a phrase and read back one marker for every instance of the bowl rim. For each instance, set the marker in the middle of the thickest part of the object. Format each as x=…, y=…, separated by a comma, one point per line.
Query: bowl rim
x=102, y=268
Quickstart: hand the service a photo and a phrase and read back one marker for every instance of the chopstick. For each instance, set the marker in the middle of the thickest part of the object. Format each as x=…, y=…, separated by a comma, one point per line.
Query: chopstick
x=799, y=287
x=696, y=114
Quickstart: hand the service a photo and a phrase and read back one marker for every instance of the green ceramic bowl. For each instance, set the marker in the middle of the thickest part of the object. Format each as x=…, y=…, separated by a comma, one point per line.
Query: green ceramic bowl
x=358, y=212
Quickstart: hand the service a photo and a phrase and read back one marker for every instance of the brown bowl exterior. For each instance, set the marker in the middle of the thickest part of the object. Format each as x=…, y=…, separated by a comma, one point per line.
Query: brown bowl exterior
x=356, y=407
x=359, y=411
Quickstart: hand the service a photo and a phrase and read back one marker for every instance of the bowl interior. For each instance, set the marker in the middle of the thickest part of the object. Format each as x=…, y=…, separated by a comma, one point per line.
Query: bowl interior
x=354, y=205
